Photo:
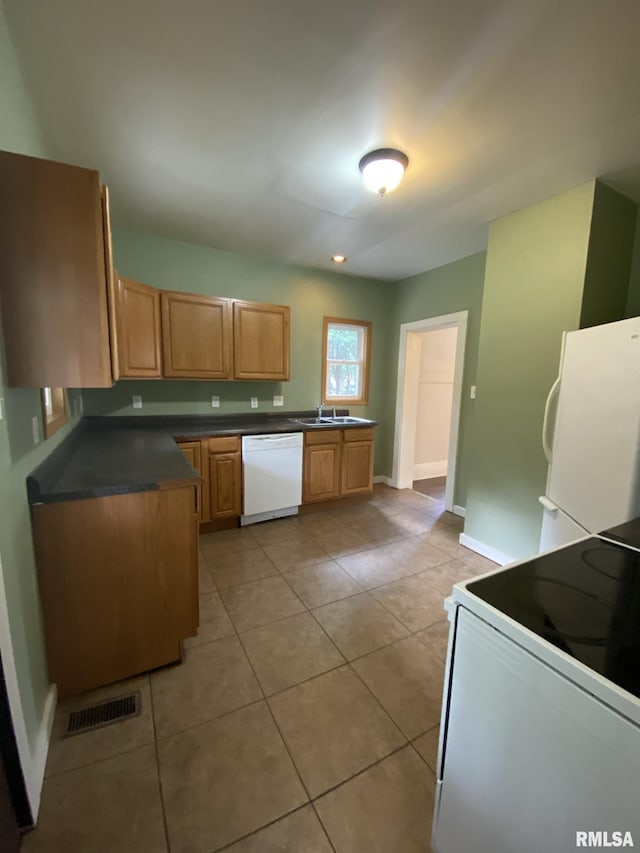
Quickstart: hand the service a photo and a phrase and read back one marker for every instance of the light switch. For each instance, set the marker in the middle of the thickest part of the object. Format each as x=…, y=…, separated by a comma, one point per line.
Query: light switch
x=1, y=408
x=254, y=402
x=278, y=400
x=35, y=426
x=137, y=401
x=473, y=392
x=215, y=402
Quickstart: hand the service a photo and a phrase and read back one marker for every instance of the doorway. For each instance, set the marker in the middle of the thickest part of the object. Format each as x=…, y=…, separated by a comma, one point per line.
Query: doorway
x=429, y=394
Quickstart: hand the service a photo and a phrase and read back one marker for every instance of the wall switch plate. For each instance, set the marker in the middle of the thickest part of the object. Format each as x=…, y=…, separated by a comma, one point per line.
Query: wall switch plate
x=35, y=426
x=278, y=400
x=254, y=402
x=473, y=392
x=137, y=401
x=215, y=402
x=1, y=408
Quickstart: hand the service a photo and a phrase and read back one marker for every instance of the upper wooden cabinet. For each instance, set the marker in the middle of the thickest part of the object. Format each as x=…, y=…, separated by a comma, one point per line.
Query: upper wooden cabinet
x=137, y=314
x=196, y=336
x=54, y=274
x=261, y=341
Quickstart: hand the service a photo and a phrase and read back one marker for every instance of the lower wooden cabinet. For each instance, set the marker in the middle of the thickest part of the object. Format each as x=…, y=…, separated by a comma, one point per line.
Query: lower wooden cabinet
x=118, y=580
x=337, y=463
x=225, y=477
x=321, y=466
x=193, y=451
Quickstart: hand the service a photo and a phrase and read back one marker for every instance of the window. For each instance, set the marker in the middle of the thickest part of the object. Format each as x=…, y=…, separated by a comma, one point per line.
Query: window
x=345, y=360
x=55, y=409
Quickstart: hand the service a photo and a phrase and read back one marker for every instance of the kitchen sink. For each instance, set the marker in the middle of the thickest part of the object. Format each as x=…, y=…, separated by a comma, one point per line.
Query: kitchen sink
x=346, y=419
x=312, y=421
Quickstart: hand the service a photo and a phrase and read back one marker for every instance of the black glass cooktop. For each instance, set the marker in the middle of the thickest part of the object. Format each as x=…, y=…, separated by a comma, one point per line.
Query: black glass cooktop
x=585, y=599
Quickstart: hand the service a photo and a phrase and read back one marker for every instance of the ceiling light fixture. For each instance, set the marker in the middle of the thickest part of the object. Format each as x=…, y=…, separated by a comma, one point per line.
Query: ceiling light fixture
x=383, y=169
x=339, y=259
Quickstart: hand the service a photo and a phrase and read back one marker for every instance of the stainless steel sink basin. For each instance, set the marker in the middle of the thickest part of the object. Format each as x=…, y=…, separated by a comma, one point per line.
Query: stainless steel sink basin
x=312, y=421
x=347, y=419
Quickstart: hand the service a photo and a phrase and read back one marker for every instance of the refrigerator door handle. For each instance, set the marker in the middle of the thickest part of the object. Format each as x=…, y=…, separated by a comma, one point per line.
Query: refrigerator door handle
x=546, y=445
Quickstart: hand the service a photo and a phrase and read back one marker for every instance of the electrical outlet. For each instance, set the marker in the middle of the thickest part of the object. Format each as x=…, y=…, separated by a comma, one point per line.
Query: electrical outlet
x=473, y=392
x=215, y=402
x=1, y=408
x=35, y=426
x=137, y=401
x=278, y=400
x=254, y=402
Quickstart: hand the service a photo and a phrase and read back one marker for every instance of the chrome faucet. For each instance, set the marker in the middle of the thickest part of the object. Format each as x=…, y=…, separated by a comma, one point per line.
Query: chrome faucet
x=320, y=408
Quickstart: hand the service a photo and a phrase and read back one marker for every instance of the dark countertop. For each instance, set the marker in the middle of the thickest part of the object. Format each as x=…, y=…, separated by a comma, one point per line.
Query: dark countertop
x=115, y=455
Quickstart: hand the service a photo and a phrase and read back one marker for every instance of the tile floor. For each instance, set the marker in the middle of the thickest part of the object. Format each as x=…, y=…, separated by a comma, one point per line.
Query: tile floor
x=304, y=716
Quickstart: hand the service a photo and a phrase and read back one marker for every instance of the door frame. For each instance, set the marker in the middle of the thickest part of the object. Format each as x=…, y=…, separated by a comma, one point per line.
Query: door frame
x=405, y=425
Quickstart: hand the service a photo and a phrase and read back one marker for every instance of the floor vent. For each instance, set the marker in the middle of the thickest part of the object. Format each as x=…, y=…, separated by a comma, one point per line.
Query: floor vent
x=96, y=716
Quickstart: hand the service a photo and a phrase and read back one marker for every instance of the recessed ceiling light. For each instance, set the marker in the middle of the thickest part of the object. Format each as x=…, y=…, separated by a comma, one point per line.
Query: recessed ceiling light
x=382, y=170
x=339, y=259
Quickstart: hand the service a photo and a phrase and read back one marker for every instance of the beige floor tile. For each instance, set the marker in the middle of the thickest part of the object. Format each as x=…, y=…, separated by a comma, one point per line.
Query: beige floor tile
x=374, y=567
x=214, y=622
x=240, y=567
x=226, y=541
x=225, y=779
x=290, y=651
x=277, y=530
x=300, y=832
x=446, y=538
x=359, y=624
x=415, y=521
x=379, y=531
x=436, y=638
x=387, y=809
x=205, y=582
x=478, y=563
x=294, y=553
x=427, y=746
x=261, y=602
x=407, y=679
x=322, y=583
x=443, y=577
x=108, y=807
x=415, y=554
x=341, y=541
x=211, y=681
x=320, y=522
x=333, y=728
x=413, y=601
x=66, y=753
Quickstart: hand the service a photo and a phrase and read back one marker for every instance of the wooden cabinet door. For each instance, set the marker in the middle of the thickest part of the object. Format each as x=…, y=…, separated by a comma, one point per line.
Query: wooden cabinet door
x=54, y=286
x=261, y=341
x=138, y=330
x=225, y=484
x=357, y=467
x=321, y=479
x=196, y=336
x=193, y=451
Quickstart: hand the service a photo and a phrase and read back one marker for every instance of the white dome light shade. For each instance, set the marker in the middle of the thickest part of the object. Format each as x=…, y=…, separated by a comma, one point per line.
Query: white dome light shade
x=382, y=170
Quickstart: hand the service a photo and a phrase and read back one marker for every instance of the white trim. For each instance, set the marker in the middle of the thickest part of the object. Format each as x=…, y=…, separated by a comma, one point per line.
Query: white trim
x=381, y=478
x=429, y=470
x=486, y=550
x=33, y=764
x=400, y=441
x=459, y=510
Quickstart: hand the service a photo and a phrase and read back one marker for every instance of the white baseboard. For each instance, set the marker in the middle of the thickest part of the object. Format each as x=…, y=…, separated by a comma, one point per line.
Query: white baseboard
x=486, y=550
x=34, y=775
x=459, y=510
x=426, y=470
x=380, y=478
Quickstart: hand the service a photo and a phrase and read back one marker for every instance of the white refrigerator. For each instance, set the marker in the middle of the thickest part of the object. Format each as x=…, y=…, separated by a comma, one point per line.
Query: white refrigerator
x=593, y=481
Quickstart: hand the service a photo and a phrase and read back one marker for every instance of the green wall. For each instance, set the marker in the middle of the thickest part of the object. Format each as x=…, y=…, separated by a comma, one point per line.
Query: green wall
x=19, y=132
x=535, y=272
x=455, y=287
x=172, y=265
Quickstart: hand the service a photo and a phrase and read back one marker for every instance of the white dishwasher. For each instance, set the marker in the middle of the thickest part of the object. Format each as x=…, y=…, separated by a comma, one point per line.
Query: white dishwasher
x=271, y=476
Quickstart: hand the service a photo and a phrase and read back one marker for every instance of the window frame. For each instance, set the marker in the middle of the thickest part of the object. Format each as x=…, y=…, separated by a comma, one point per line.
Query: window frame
x=59, y=415
x=367, y=325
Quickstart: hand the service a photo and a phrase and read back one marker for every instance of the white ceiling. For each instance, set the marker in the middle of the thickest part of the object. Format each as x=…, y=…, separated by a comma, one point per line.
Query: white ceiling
x=240, y=124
